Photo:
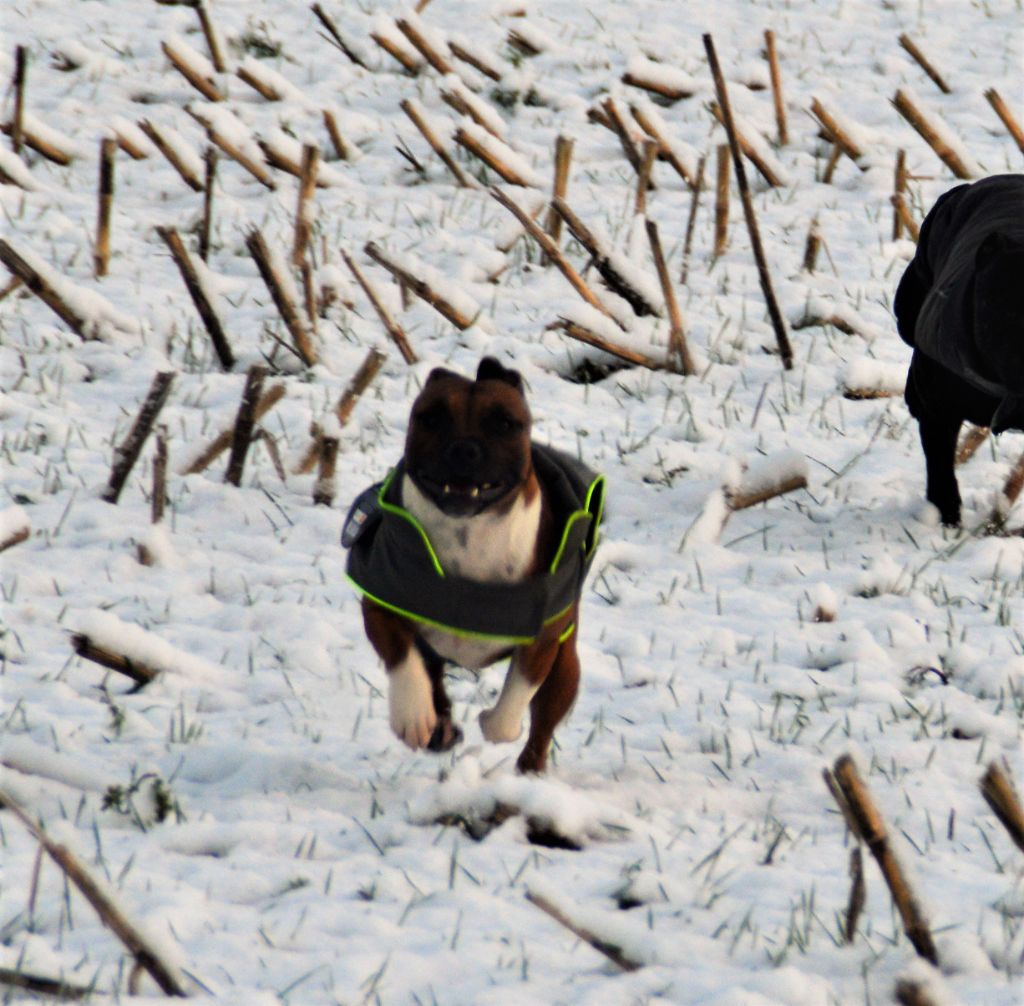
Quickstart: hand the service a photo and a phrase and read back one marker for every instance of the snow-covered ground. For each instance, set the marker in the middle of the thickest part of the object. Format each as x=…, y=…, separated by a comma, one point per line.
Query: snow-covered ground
x=304, y=855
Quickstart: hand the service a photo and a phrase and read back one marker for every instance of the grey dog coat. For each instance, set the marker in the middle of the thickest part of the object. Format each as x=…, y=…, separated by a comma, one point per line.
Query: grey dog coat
x=392, y=562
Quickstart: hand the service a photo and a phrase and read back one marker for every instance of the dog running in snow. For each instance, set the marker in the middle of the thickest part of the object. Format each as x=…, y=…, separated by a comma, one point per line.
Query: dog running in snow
x=475, y=549
x=960, y=305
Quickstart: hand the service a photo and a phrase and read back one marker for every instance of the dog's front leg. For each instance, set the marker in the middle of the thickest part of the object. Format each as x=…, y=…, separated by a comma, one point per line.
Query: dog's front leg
x=503, y=722
x=410, y=691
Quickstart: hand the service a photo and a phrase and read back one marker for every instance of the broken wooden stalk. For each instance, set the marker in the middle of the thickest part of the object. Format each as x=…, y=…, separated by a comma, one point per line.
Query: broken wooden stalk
x=245, y=423
x=1001, y=109
x=212, y=37
x=691, y=219
x=899, y=188
x=257, y=170
x=778, y=324
x=999, y=794
x=307, y=188
x=1012, y=488
x=870, y=828
x=415, y=114
x=361, y=380
x=425, y=48
x=207, y=313
x=749, y=150
x=282, y=298
x=776, y=79
x=909, y=224
x=678, y=349
x=721, y=200
x=206, y=225
x=615, y=280
x=421, y=288
x=18, y=119
x=394, y=330
x=583, y=334
x=187, y=175
x=127, y=453
x=972, y=439
x=101, y=255
x=837, y=134
x=146, y=955
x=931, y=135
x=223, y=440
x=507, y=172
x=614, y=953
x=204, y=85
x=665, y=151
x=563, y=160
x=553, y=252
x=336, y=37
x=324, y=487
x=43, y=290
x=341, y=147
x=922, y=61
x=621, y=130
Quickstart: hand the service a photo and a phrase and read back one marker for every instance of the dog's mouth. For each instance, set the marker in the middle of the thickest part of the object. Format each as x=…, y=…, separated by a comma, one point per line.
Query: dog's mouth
x=458, y=496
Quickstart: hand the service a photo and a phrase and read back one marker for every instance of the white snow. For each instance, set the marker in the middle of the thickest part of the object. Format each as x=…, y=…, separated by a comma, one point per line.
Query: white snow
x=315, y=860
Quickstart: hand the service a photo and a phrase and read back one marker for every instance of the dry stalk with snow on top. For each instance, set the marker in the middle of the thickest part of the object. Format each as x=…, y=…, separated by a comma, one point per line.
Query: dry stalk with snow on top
x=103, y=901
x=178, y=154
x=394, y=330
x=937, y=135
x=868, y=826
x=620, y=278
x=199, y=296
x=1000, y=795
x=194, y=67
x=426, y=282
x=278, y=282
x=553, y=252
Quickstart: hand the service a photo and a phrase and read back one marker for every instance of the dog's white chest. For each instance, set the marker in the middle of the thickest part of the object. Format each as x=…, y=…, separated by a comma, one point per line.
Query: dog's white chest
x=491, y=548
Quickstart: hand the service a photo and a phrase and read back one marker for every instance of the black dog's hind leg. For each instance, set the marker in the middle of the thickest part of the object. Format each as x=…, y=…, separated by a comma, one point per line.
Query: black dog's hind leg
x=446, y=734
x=938, y=439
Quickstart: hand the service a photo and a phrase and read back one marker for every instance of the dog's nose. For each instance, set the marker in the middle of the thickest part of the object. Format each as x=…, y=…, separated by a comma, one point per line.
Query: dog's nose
x=464, y=454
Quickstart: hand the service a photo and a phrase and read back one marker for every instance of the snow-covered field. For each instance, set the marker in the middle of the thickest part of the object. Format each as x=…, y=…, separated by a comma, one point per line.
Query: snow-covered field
x=249, y=808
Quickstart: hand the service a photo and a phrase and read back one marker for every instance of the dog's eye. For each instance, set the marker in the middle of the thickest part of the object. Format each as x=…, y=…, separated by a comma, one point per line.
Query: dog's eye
x=501, y=423
x=433, y=419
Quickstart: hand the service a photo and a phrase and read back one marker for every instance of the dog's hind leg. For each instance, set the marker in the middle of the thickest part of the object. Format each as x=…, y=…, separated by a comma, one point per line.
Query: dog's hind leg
x=550, y=705
x=938, y=440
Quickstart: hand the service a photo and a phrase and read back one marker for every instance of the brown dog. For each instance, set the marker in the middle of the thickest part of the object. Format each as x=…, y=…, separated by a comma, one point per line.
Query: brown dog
x=475, y=549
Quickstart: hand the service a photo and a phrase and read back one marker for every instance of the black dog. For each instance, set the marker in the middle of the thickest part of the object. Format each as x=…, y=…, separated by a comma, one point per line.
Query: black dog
x=960, y=305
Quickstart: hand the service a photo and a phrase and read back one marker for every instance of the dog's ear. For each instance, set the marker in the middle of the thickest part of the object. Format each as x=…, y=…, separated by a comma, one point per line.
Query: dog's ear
x=439, y=372
x=491, y=370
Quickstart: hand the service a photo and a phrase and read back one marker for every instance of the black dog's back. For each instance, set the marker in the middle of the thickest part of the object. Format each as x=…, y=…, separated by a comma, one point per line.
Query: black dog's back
x=960, y=304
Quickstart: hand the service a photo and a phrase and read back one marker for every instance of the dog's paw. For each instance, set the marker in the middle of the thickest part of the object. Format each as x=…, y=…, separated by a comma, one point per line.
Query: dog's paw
x=498, y=727
x=411, y=706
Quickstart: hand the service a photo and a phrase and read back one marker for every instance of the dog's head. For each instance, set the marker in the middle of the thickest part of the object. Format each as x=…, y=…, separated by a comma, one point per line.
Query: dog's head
x=468, y=443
